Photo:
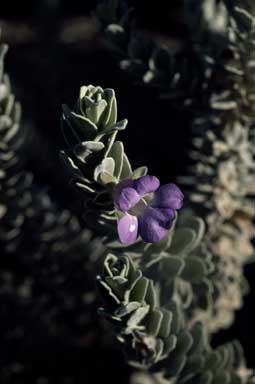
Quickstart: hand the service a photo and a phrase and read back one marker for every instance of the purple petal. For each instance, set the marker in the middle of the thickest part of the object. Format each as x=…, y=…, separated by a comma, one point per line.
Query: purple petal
x=127, y=229
x=155, y=223
x=146, y=184
x=168, y=196
x=126, y=199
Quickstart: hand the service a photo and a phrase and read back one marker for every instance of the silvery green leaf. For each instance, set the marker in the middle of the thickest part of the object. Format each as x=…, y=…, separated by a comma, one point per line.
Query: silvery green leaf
x=94, y=110
x=86, y=148
x=200, y=341
x=119, y=126
x=126, y=168
x=206, y=378
x=159, y=348
x=198, y=225
x=177, y=321
x=185, y=342
x=134, y=277
x=127, y=309
x=212, y=361
x=9, y=107
x=175, y=365
x=106, y=178
x=135, y=320
x=222, y=378
x=245, y=17
x=153, y=322
x=139, y=291
x=82, y=127
x=194, y=270
x=106, y=166
x=151, y=295
x=83, y=187
x=170, y=344
x=139, y=172
x=109, y=143
x=110, y=116
x=224, y=105
x=12, y=133
x=156, y=249
x=182, y=241
x=165, y=327
x=117, y=286
x=106, y=291
x=171, y=267
x=195, y=364
x=116, y=153
x=3, y=51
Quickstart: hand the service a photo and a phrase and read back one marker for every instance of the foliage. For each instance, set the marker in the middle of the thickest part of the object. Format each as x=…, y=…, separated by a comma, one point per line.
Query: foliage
x=163, y=299
x=211, y=75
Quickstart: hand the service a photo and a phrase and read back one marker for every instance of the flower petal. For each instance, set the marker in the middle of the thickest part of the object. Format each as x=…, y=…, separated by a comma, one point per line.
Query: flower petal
x=126, y=198
x=168, y=196
x=146, y=184
x=128, y=229
x=155, y=223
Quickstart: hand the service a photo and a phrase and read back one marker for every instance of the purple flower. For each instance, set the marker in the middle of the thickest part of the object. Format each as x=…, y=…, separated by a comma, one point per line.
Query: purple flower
x=149, y=209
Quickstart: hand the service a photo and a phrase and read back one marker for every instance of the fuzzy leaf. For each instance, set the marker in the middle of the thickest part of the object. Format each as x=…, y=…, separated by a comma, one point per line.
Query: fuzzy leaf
x=194, y=270
x=116, y=153
x=182, y=241
x=106, y=167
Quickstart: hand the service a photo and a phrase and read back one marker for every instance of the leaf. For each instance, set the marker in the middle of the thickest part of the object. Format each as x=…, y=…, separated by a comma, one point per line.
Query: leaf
x=212, y=361
x=127, y=309
x=83, y=187
x=139, y=172
x=109, y=143
x=106, y=292
x=3, y=51
x=177, y=316
x=200, y=342
x=106, y=166
x=81, y=127
x=165, y=327
x=171, y=267
x=116, y=153
x=184, y=343
x=137, y=317
x=175, y=365
x=150, y=297
x=194, y=270
x=153, y=251
x=198, y=225
x=126, y=168
x=110, y=116
x=170, y=344
x=119, y=126
x=106, y=178
x=221, y=378
x=86, y=148
x=94, y=110
x=205, y=378
x=153, y=322
x=139, y=291
x=182, y=241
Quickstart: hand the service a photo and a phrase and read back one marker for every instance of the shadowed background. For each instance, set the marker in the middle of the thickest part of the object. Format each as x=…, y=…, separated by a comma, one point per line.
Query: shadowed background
x=54, y=49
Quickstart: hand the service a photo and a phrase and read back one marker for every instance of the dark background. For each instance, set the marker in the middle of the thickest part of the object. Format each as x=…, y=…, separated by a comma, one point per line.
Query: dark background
x=54, y=49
